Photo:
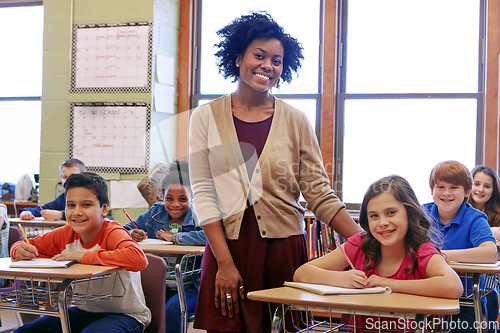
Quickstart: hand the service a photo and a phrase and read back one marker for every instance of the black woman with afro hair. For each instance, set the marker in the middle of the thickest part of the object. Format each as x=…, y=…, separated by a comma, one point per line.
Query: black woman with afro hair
x=251, y=156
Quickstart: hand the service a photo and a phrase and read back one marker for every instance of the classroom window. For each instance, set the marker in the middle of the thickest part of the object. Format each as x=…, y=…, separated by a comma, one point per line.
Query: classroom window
x=20, y=88
x=303, y=92
x=411, y=91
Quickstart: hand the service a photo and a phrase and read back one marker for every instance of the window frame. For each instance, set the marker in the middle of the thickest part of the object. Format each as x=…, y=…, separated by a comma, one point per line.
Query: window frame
x=196, y=94
x=342, y=96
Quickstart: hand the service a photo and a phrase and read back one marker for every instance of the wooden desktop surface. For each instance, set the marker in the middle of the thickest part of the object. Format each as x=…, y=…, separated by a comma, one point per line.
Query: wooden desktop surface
x=37, y=222
x=19, y=205
x=172, y=249
x=394, y=302
x=481, y=269
x=75, y=271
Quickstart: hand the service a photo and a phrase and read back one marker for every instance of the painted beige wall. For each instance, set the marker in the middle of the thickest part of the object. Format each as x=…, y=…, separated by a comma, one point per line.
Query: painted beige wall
x=58, y=15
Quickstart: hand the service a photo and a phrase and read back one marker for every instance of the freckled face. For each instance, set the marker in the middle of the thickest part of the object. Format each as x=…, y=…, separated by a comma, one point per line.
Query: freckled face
x=261, y=65
x=448, y=197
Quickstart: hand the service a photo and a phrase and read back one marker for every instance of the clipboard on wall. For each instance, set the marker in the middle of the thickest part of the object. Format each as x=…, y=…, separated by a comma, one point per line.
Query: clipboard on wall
x=111, y=57
x=111, y=136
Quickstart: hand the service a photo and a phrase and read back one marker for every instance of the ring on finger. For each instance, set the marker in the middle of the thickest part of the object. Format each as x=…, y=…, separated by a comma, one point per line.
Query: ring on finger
x=228, y=296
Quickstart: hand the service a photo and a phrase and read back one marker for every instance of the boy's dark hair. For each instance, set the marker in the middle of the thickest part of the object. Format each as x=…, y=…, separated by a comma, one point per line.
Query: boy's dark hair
x=90, y=181
x=492, y=206
x=73, y=162
x=452, y=172
x=419, y=223
x=238, y=34
x=178, y=174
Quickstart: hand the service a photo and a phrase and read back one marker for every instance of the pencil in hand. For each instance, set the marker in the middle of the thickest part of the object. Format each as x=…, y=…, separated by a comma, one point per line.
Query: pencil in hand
x=130, y=218
x=343, y=252
x=24, y=235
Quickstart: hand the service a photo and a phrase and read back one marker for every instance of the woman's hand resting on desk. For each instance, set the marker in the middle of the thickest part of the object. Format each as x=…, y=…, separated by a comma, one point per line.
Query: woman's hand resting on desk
x=73, y=255
x=26, y=215
x=25, y=252
x=138, y=235
x=50, y=214
x=166, y=235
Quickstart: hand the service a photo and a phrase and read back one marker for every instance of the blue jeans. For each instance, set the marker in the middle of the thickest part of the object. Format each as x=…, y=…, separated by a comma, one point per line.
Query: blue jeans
x=85, y=322
x=173, y=310
x=492, y=306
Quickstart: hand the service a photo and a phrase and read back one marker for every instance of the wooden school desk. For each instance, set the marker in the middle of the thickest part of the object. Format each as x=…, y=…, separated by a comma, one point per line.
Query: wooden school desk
x=31, y=291
x=38, y=226
x=13, y=206
x=189, y=260
x=387, y=305
x=473, y=297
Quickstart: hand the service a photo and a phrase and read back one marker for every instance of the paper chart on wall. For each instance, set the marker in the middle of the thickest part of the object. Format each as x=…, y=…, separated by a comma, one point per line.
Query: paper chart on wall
x=111, y=57
x=111, y=136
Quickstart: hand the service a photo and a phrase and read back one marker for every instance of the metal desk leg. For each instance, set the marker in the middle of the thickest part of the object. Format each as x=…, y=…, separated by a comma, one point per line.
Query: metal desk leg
x=420, y=323
x=277, y=322
x=61, y=302
x=182, y=299
x=477, y=300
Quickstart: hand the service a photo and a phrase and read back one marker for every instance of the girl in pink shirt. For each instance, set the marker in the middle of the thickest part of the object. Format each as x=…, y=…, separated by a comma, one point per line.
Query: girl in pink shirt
x=394, y=250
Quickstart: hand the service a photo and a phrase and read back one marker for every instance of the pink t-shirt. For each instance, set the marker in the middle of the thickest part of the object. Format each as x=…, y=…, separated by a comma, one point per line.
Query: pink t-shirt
x=424, y=253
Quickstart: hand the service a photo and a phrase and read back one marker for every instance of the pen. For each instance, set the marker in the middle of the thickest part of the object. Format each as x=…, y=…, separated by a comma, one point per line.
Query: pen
x=129, y=218
x=343, y=252
x=24, y=235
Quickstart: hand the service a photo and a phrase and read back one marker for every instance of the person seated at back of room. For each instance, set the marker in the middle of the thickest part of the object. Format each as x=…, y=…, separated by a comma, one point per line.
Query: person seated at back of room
x=485, y=196
x=463, y=230
x=91, y=239
x=54, y=210
x=4, y=236
x=173, y=220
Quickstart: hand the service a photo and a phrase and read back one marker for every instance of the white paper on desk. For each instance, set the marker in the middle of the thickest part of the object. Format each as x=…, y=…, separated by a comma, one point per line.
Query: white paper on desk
x=153, y=241
x=164, y=98
x=124, y=194
x=42, y=263
x=165, y=69
x=474, y=264
x=331, y=290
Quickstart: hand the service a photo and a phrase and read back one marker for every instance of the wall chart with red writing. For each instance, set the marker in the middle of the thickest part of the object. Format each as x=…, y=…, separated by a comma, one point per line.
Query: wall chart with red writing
x=111, y=57
x=110, y=136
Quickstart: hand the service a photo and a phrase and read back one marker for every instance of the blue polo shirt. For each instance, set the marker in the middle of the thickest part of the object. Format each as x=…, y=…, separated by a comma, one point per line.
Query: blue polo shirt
x=468, y=229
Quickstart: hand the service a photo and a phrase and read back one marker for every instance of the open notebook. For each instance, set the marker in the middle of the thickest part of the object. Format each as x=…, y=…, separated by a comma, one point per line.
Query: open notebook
x=330, y=290
x=41, y=263
x=472, y=264
x=153, y=241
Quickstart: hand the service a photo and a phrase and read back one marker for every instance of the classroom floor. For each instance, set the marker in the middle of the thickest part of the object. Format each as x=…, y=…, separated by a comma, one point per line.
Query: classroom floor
x=9, y=323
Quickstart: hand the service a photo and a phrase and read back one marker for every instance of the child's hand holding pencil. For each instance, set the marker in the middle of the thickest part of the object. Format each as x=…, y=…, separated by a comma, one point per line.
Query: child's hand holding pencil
x=136, y=234
x=25, y=251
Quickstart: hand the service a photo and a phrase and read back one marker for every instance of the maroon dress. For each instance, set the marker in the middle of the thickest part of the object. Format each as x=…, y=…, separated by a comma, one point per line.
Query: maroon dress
x=262, y=262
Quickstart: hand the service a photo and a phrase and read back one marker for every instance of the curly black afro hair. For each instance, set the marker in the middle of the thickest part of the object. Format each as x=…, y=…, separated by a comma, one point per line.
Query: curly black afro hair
x=238, y=34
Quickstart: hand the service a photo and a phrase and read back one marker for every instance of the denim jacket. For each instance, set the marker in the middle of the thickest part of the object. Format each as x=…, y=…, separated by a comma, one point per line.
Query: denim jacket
x=157, y=218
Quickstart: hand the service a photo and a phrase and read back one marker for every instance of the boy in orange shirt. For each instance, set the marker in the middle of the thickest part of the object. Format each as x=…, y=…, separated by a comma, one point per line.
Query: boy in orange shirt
x=88, y=238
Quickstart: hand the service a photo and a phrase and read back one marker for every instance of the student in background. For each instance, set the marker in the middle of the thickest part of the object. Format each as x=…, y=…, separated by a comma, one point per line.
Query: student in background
x=485, y=196
x=88, y=238
x=54, y=210
x=173, y=220
x=463, y=230
x=251, y=157
x=395, y=250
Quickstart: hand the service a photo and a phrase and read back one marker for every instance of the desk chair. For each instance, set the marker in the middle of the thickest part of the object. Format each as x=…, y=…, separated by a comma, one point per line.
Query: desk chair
x=14, y=236
x=182, y=300
x=154, y=287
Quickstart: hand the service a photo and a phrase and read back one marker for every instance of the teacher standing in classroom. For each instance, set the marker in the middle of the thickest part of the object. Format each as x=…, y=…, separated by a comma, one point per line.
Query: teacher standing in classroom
x=251, y=155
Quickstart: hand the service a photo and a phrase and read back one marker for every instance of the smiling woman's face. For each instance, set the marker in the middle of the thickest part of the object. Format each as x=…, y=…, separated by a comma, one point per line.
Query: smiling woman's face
x=262, y=64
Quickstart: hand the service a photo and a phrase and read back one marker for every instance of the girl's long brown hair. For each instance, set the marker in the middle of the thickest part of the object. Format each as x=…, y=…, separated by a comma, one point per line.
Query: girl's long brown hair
x=419, y=223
